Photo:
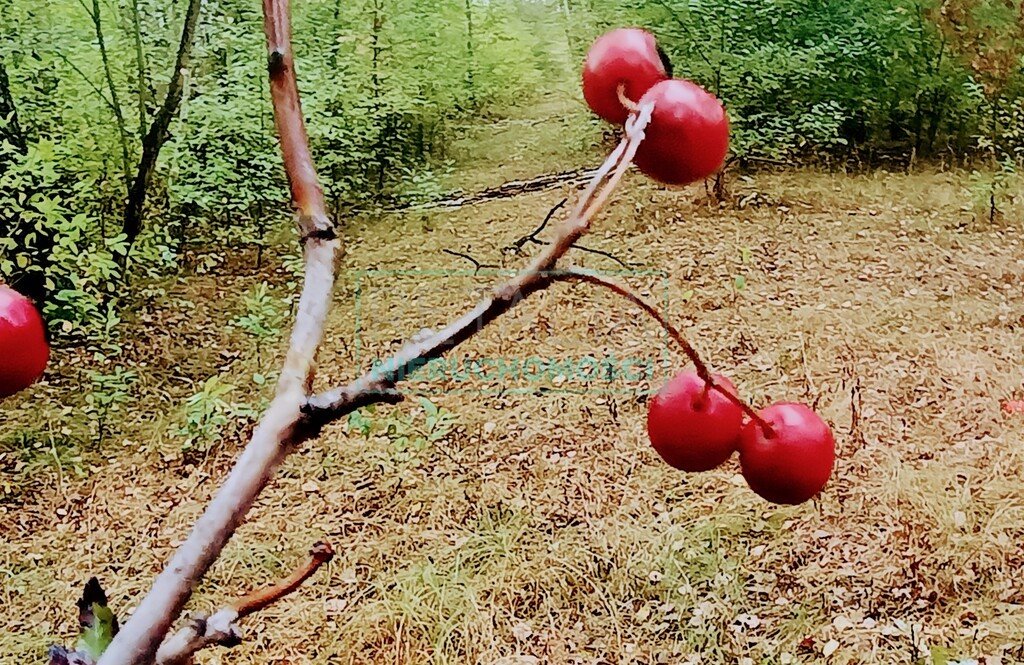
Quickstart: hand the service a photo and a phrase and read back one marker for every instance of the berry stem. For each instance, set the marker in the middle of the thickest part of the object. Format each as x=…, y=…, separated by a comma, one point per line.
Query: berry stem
x=630, y=105
x=581, y=275
x=593, y=199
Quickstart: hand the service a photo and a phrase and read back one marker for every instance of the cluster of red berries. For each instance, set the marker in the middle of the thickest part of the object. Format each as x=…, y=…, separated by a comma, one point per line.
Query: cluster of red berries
x=688, y=134
x=23, y=348
x=786, y=450
x=786, y=454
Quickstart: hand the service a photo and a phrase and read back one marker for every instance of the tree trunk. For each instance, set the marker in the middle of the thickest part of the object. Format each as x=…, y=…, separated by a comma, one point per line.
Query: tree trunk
x=158, y=134
x=140, y=67
x=10, y=127
x=938, y=105
x=721, y=187
x=993, y=209
x=30, y=281
x=568, y=30
x=115, y=102
x=376, y=49
x=470, y=54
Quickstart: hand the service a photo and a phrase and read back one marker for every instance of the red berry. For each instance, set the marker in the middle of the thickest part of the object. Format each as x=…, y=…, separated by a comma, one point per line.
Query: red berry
x=629, y=56
x=694, y=428
x=23, y=348
x=795, y=462
x=688, y=135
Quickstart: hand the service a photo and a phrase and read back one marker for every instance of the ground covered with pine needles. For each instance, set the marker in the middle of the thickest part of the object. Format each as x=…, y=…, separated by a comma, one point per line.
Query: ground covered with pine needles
x=523, y=518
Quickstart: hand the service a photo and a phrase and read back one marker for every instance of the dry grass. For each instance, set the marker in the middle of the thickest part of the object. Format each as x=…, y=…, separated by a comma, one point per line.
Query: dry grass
x=542, y=525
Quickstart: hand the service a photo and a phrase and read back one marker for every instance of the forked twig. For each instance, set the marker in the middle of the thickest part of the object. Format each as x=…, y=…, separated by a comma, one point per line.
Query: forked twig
x=221, y=629
x=477, y=266
x=339, y=402
x=279, y=429
x=517, y=246
x=532, y=236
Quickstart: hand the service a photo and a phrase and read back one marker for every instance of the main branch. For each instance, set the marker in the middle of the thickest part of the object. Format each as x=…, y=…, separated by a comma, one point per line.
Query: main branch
x=281, y=426
x=293, y=415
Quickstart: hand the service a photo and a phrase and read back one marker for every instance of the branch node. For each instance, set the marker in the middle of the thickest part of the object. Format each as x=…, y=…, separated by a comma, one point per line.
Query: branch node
x=320, y=233
x=322, y=551
x=276, y=63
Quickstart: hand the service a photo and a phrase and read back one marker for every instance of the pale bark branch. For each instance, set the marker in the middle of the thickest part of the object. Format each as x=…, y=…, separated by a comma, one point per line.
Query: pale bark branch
x=282, y=424
x=292, y=416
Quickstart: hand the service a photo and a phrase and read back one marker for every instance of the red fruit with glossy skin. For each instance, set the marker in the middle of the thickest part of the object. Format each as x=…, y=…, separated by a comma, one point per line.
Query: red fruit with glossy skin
x=626, y=55
x=23, y=348
x=691, y=427
x=793, y=464
x=688, y=135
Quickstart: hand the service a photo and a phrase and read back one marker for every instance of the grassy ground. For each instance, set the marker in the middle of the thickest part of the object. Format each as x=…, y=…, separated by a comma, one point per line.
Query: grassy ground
x=535, y=524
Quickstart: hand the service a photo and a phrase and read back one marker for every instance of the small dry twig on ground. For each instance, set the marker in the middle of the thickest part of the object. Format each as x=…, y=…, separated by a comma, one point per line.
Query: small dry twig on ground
x=517, y=246
x=477, y=266
x=532, y=236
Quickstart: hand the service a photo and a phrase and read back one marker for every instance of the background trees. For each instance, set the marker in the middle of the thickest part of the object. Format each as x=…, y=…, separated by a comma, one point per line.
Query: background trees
x=388, y=83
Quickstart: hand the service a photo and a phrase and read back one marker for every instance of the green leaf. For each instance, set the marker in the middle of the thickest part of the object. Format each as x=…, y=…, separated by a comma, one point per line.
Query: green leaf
x=429, y=407
x=939, y=655
x=98, y=624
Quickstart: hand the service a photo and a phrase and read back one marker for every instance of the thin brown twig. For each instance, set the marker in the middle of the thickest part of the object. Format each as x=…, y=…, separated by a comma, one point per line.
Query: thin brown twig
x=580, y=275
x=517, y=246
x=532, y=236
x=477, y=265
x=221, y=628
x=601, y=252
x=319, y=554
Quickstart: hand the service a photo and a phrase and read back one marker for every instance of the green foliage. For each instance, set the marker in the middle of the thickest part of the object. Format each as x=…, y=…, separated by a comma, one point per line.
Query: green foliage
x=107, y=392
x=98, y=623
x=207, y=412
x=408, y=435
x=385, y=83
x=388, y=84
x=992, y=189
x=263, y=316
x=804, y=78
x=99, y=633
x=97, y=627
